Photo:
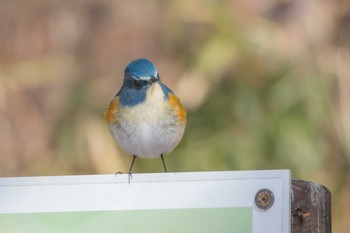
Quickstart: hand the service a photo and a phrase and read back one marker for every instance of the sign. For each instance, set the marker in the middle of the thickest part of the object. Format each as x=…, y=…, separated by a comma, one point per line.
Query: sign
x=162, y=202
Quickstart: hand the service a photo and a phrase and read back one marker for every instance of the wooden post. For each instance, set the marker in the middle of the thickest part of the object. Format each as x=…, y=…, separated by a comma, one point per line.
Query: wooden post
x=311, y=208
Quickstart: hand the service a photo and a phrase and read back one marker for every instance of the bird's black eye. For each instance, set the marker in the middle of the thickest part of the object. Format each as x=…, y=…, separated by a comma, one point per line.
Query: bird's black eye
x=137, y=83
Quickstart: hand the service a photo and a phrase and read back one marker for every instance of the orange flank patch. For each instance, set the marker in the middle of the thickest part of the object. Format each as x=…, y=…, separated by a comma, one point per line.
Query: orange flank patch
x=111, y=114
x=177, y=108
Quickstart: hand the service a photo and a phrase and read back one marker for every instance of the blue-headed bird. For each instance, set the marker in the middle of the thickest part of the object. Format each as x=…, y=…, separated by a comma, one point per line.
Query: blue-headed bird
x=145, y=117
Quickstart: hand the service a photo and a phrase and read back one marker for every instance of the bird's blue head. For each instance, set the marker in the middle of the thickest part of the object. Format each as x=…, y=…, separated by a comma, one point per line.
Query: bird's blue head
x=139, y=75
x=141, y=69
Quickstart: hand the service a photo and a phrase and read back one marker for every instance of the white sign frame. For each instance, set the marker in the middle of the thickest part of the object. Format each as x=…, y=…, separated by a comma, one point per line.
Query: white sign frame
x=153, y=191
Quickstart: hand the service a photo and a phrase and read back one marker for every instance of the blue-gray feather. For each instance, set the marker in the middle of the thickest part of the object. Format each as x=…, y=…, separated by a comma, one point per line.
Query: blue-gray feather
x=166, y=90
x=131, y=96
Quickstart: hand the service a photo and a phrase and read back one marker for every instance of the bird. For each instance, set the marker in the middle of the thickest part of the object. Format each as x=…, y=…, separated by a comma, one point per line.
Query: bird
x=145, y=117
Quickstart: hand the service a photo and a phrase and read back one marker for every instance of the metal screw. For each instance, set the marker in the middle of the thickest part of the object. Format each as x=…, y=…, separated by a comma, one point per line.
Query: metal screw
x=264, y=199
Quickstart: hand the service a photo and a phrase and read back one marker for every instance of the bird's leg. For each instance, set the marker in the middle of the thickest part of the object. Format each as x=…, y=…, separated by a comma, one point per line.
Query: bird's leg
x=163, y=163
x=132, y=164
x=130, y=169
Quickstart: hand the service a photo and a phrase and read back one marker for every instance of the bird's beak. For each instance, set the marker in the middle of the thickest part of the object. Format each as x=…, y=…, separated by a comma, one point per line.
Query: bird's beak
x=154, y=80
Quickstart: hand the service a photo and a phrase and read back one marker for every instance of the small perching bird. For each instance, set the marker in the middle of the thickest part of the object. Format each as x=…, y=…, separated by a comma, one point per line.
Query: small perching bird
x=145, y=117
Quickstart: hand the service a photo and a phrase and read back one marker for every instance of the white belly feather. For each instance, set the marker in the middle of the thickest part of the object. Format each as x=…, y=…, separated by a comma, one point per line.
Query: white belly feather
x=149, y=129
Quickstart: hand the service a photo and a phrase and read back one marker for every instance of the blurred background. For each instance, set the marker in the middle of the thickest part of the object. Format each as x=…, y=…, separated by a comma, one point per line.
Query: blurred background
x=266, y=85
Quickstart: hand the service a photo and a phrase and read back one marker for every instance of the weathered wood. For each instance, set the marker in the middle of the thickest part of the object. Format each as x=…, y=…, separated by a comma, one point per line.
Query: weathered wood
x=311, y=208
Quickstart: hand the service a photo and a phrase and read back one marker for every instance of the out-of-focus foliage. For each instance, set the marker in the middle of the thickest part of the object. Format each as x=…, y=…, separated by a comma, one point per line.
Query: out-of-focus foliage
x=266, y=85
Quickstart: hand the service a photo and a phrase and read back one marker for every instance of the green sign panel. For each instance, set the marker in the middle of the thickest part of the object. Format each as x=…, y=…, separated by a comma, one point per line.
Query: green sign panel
x=171, y=221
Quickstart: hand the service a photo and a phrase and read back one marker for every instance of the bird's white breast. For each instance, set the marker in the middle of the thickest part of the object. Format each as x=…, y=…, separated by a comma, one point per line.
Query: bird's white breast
x=149, y=129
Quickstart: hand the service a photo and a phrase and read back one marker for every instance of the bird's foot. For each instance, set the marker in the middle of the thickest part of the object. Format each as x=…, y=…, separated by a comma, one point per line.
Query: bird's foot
x=118, y=173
